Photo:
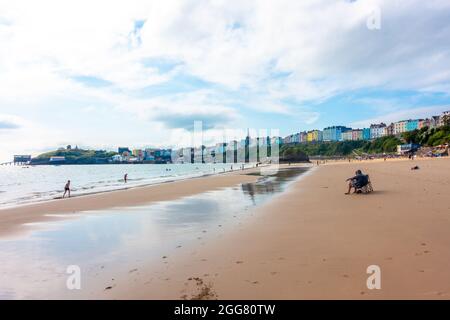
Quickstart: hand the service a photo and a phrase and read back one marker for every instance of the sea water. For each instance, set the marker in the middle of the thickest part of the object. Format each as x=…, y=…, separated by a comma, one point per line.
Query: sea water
x=25, y=184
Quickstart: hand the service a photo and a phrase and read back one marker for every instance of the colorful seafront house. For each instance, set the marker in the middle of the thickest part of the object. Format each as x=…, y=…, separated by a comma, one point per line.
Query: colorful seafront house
x=334, y=133
x=303, y=136
x=357, y=134
x=366, y=134
x=435, y=121
x=347, y=135
x=287, y=140
x=378, y=130
x=138, y=154
x=412, y=125
x=400, y=127
x=314, y=136
x=276, y=140
x=318, y=135
x=424, y=123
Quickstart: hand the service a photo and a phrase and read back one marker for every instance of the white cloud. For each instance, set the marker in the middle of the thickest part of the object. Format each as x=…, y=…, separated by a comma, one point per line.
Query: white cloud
x=405, y=114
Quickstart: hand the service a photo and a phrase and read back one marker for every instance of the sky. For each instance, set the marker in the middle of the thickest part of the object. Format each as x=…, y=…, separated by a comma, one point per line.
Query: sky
x=102, y=74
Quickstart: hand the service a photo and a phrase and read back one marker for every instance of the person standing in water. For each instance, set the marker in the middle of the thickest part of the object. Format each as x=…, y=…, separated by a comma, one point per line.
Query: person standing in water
x=125, y=177
x=67, y=189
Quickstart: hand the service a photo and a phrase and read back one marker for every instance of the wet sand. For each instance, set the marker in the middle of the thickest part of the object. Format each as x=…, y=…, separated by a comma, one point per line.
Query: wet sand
x=115, y=244
x=13, y=220
x=314, y=242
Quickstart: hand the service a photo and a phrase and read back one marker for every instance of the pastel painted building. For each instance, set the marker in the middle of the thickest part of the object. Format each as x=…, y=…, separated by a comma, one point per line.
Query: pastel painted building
x=412, y=125
x=435, y=121
x=334, y=133
x=276, y=140
x=314, y=136
x=357, y=134
x=377, y=130
x=287, y=140
x=400, y=127
x=138, y=154
x=424, y=123
x=390, y=130
x=347, y=135
x=303, y=136
x=366, y=134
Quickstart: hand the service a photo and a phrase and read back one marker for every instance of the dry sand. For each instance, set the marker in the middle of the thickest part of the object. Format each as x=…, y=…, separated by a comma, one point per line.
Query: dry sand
x=314, y=242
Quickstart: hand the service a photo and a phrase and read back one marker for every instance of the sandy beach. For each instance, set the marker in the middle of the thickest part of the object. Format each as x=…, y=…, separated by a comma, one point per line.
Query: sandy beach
x=310, y=242
x=314, y=242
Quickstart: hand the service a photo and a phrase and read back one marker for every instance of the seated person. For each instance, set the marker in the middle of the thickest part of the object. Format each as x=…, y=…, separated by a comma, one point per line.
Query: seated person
x=357, y=181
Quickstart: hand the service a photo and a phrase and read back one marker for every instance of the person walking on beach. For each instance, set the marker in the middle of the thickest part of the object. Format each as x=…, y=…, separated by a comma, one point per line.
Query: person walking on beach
x=67, y=189
x=125, y=178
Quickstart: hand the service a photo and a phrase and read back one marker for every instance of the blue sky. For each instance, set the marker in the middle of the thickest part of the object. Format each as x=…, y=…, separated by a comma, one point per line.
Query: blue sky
x=140, y=73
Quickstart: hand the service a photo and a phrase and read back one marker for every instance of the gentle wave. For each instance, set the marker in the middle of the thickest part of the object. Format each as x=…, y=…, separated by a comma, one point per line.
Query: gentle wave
x=41, y=183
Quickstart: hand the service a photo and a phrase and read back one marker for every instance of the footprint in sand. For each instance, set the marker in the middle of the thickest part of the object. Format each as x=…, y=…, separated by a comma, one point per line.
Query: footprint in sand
x=239, y=262
x=133, y=270
x=345, y=276
x=203, y=291
x=273, y=273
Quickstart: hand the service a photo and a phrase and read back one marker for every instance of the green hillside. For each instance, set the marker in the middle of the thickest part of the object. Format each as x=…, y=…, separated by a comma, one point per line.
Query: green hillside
x=76, y=156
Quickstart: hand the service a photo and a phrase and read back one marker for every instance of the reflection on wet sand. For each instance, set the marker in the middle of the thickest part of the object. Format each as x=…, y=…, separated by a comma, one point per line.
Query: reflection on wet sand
x=110, y=242
x=272, y=183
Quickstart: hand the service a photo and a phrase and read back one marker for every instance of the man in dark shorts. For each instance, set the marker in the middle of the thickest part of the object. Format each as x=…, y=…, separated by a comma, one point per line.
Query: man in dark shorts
x=355, y=180
x=67, y=189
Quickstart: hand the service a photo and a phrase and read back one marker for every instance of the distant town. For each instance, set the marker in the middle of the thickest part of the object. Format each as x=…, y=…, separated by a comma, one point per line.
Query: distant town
x=234, y=151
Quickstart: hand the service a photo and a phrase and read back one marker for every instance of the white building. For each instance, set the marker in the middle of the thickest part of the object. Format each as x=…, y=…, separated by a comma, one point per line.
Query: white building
x=377, y=130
